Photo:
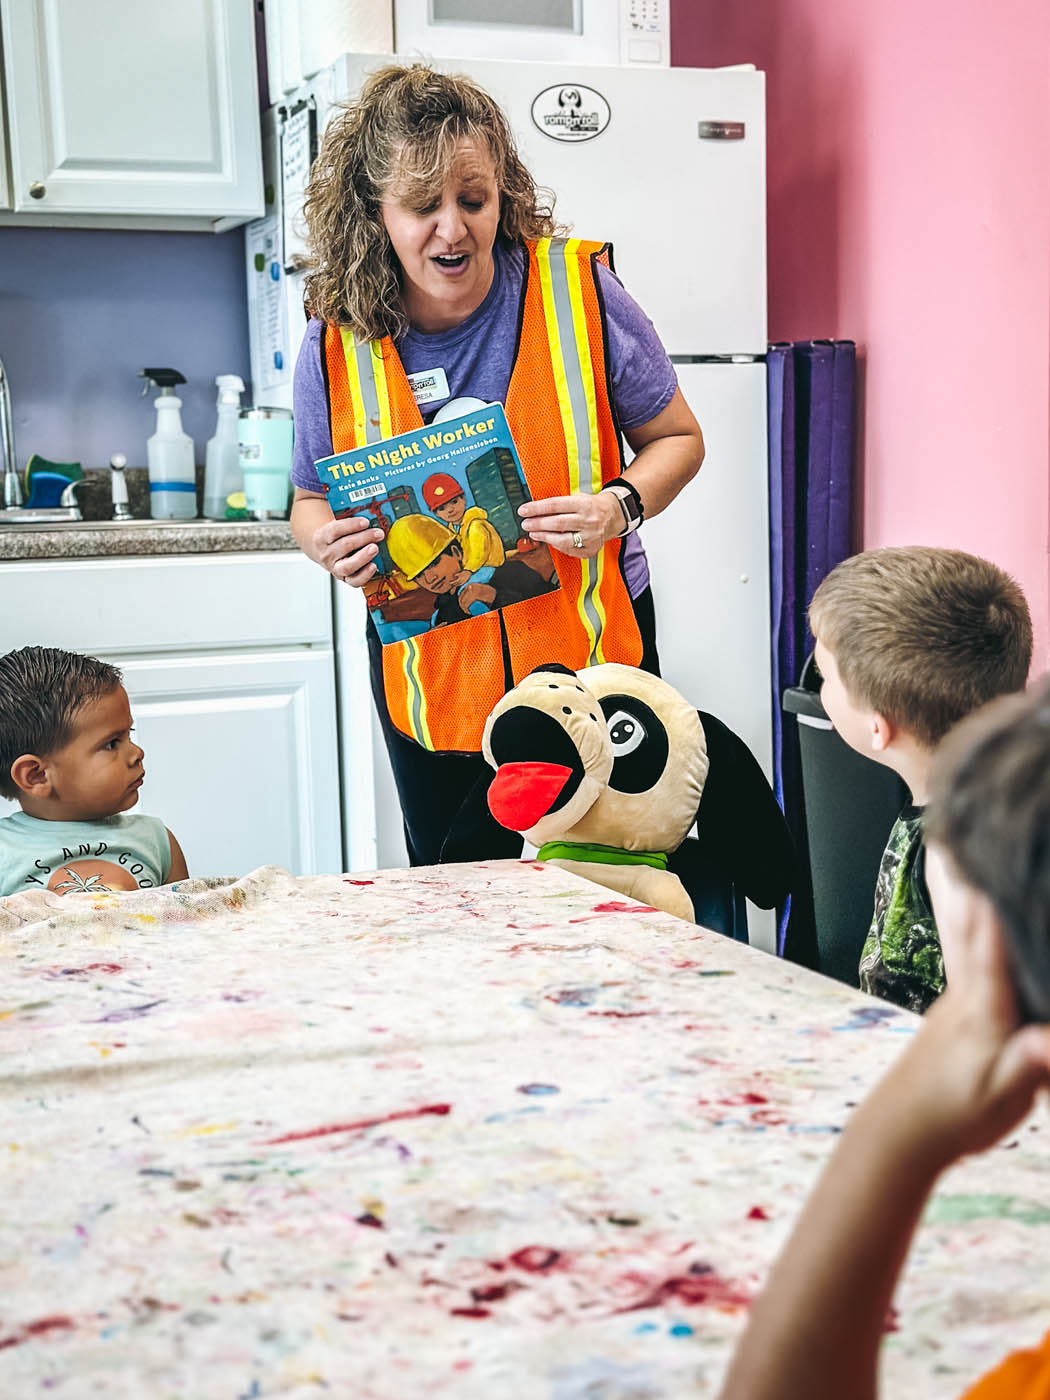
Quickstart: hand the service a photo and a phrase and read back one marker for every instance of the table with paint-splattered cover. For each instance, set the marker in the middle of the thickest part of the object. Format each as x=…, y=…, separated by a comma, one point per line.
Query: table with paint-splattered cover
x=473, y=1131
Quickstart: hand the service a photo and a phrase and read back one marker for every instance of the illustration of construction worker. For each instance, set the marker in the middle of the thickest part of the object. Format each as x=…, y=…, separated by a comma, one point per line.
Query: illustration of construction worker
x=431, y=555
x=479, y=540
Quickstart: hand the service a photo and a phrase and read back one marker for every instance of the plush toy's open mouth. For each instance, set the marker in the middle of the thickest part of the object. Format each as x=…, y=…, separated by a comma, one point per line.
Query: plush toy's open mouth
x=521, y=793
x=538, y=767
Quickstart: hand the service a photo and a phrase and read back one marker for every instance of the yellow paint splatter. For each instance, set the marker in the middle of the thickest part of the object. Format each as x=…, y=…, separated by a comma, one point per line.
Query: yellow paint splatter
x=206, y=1129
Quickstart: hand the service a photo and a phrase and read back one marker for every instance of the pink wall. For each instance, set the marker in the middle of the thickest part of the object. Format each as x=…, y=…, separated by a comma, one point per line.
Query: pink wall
x=909, y=210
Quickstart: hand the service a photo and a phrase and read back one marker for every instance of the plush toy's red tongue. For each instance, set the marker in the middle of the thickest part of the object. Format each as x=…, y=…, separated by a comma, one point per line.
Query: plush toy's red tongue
x=521, y=793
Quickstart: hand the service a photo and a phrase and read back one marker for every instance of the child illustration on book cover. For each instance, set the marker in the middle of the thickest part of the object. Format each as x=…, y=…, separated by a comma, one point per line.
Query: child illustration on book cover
x=459, y=552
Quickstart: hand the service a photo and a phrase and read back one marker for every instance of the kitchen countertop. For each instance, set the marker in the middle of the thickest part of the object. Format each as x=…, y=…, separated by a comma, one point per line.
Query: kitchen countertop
x=102, y=540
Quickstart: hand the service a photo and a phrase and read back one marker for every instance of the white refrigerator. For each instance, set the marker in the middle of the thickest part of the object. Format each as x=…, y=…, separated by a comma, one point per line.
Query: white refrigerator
x=668, y=165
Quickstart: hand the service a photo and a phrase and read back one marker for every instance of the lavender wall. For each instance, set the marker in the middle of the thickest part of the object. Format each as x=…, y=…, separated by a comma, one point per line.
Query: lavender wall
x=82, y=311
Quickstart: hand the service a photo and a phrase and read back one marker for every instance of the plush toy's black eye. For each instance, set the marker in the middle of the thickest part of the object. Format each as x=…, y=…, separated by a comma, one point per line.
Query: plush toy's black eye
x=626, y=733
x=639, y=743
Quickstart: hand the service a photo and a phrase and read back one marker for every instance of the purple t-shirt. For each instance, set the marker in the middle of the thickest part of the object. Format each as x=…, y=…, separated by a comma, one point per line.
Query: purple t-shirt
x=477, y=357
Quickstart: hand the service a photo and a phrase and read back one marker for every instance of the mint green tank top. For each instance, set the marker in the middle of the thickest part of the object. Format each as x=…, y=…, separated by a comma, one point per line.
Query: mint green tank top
x=126, y=852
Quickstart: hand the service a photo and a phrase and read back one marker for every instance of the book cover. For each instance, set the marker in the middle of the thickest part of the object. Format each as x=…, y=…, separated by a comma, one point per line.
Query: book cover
x=446, y=497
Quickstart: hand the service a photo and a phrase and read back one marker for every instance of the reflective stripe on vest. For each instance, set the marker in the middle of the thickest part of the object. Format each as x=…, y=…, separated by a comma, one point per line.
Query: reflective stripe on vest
x=370, y=398
x=440, y=686
x=574, y=380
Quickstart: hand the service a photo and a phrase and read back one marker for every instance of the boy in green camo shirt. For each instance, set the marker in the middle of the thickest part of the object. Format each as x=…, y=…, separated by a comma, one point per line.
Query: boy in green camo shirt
x=909, y=641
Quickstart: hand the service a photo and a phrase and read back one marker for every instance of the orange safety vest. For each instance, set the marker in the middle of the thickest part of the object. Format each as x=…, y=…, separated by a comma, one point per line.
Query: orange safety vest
x=1025, y=1375
x=441, y=685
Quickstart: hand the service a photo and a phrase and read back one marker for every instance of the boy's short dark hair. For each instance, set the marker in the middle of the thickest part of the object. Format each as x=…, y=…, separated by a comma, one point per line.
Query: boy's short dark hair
x=41, y=690
x=990, y=809
x=923, y=635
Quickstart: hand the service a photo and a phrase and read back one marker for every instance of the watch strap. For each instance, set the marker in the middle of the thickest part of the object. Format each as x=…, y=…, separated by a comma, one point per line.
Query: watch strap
x=630, y=503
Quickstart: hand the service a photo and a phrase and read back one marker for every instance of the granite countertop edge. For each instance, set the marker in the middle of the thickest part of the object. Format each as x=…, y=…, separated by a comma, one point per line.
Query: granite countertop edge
x=195, y=537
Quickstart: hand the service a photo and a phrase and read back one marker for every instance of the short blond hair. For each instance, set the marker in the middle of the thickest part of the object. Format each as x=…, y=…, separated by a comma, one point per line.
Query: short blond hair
x=923, y=635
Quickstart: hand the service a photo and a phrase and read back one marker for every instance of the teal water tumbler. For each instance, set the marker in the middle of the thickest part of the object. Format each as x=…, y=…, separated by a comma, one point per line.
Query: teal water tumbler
x=264, y=441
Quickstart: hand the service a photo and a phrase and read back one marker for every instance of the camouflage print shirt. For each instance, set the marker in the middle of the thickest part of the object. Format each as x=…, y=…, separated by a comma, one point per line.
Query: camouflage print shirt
x=901, y=961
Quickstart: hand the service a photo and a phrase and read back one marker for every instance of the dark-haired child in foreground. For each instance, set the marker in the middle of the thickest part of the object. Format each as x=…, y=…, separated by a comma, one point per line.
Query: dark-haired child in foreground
x=969, y=1076
x=910, y=640
x=68, y=759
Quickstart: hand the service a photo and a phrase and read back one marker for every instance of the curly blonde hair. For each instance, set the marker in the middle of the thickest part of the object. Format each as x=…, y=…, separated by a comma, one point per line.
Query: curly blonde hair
x=406, y=123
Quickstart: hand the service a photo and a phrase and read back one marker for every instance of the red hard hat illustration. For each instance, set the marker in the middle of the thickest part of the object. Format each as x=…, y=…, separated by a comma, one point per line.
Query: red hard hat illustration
x=439, y=488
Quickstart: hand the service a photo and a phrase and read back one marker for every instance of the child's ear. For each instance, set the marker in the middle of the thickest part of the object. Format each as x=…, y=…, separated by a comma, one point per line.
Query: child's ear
x=882, y=733
x=30, y=776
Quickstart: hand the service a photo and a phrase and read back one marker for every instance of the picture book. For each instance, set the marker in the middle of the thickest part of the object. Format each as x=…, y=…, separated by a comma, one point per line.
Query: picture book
x=446, y=498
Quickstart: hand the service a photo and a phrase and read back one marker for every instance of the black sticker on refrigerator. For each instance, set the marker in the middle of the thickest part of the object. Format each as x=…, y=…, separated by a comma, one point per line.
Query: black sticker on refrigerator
x=570, y=112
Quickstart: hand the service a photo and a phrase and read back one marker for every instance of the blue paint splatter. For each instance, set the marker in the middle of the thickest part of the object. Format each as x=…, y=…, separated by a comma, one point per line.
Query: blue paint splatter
x=574, y=996
x=131, y=1014
x=680, y=1329
x=538, y=1089
x=644, y=1327
x=863, y=1017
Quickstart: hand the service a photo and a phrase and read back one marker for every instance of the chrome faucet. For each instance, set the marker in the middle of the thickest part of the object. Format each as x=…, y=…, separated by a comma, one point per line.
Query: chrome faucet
x=12, y=485
x=13, y=509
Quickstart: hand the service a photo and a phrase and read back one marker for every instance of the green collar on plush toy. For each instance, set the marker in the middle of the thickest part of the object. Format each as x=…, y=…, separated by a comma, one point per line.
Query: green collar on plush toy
x=600, y=855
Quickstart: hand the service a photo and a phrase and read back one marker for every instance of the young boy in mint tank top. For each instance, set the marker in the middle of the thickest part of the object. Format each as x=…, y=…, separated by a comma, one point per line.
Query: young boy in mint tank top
x=68, y=759
x=909, y=641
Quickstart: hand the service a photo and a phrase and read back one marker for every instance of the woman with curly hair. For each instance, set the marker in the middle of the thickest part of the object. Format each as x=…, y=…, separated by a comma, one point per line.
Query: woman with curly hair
x=441, y=282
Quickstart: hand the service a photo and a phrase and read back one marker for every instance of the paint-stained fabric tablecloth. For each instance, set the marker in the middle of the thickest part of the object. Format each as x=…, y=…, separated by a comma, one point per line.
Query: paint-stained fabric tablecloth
x=475, y=1131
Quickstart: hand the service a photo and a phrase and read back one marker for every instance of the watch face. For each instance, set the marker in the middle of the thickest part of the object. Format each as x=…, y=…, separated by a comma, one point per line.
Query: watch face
x=630, y=505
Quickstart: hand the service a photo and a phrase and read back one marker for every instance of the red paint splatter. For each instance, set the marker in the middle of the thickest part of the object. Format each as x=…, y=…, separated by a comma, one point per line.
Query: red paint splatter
x=372, y=1221
x=48, y=1324
x=493, y=1292
x=357, y=882
x=699, y=1289
x=737, y=1100
x=535, y=1259
x=58, y=1322
x=437, y=1109
x=623, y=1015
x=471, y=1312
x=769, y=1117
x=619, y=906
x=757, y=1213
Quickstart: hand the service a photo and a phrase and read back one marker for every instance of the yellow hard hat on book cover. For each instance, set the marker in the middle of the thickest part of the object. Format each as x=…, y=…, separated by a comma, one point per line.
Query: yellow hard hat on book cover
x=415, y=541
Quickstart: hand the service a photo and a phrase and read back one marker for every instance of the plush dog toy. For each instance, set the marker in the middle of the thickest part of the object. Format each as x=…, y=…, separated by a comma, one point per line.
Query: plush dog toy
x=606, y=770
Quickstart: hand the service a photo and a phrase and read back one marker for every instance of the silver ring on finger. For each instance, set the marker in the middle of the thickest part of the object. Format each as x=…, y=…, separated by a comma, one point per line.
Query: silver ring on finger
x=577, y=540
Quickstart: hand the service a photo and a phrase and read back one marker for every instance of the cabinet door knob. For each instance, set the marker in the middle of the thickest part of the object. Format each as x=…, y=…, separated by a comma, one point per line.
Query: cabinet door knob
x=37, y=189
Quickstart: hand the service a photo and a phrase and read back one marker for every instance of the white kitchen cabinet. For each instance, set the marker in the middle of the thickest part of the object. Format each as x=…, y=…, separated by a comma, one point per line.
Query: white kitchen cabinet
x=241, y=758
x=132, y=113
x=229, y=665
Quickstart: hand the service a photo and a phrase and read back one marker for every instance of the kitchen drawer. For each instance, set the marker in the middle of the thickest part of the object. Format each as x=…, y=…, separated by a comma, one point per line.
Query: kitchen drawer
x=181, y=603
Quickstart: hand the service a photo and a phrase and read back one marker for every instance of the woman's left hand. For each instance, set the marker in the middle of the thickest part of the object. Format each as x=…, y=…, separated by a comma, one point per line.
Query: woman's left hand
x=562, y=520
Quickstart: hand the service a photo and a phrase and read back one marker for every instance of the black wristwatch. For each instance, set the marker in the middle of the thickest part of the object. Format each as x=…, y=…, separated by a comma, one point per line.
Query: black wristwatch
x=630, y=503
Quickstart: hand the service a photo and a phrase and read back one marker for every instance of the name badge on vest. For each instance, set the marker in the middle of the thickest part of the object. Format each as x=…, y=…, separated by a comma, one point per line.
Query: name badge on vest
x=429, y=386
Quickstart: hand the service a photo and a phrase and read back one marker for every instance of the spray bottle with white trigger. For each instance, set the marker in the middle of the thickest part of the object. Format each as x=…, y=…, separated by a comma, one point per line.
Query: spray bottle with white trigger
x=223, y=476
x=169, y=452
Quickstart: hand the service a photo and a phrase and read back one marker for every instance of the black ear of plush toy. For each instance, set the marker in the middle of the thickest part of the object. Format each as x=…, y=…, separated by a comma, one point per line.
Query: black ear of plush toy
x=605, y=771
